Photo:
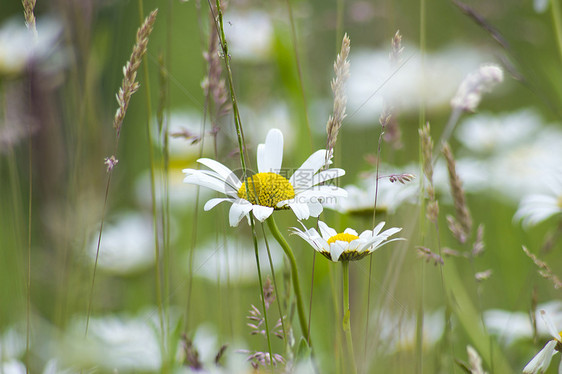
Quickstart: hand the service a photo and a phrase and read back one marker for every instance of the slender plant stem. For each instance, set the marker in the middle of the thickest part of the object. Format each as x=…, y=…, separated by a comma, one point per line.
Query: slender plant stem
x=294, y=276
x=557, y=19
x=29, y=225
x=219, y=24
x=346, y=323
x=262, y=295
x=158, y=274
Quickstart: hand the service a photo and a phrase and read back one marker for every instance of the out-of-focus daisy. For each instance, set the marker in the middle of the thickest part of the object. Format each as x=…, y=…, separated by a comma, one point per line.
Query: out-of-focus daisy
x=511, y=326
x=536, y=208
x=231, y=261
x=433, y=82
x=269, y=190
x=19, y=47
x=541, y=361
x=127, y=245
x=361, y=198
x=348, y=245
x=396, y=330
x=115, y=343
x=486, y=133
x=249, y=34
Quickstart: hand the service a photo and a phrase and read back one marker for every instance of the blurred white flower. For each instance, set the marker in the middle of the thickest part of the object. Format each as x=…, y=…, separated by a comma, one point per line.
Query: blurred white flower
x=486, y=133
x=275, y=115
x=521, y=170
x=475, y=175
x=512, y=154
x=512, y=326
x=540, y=6
x=361, y=198
x=12, y=367
x=541, y=361
x=114, y=343
x=207, y=346
x=127, y=245
x=234, y=261
x=19, y=48
x=12, y=344
x=536, y=208
x=184, y=136
x=249, y=34
x=406, y=87
x=470, y=91
x=397, y=332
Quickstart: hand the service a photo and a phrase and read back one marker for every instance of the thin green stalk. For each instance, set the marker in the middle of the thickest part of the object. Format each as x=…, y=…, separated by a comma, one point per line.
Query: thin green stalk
x=294, y=276
x=299, y=70
x=153, y=198
x=28, y=304
x=277, y=298
x=557, y=19
x=219, y=24
x=346, y=323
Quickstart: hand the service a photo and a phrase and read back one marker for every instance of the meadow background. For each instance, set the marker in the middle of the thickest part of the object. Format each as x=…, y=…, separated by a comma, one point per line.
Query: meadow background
x=408, y=314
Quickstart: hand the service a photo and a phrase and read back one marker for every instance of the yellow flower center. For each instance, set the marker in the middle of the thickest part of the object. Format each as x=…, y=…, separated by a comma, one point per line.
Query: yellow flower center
x=344, y=237
x=267, y=189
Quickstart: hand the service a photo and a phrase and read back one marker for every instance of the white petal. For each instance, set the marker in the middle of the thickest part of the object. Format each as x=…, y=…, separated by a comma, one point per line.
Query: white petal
x=366, y=235
x=310, y=166
x=261, y=158
x=270, y=156
x=378, y=228
x=326, y=231
x=320, y=194
x=214, y=202
x=326, y=175
x=262, y=212
x=315, y=208
x=351, y=231
x=221, y=170
x=238, y=210
x=310, y=236
x=550, y=325
x=300, y=210
x=354, y=244
x=540, y=362
x=204, y=180
x=336, y=249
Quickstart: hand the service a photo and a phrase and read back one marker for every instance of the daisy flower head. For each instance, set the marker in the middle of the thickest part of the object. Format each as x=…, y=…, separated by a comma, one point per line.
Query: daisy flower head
x=348, y=245
x=541, y=361
x=269, y=189
x=536, y=208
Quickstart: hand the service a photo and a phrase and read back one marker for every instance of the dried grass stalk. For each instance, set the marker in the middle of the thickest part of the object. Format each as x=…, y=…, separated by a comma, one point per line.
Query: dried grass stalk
x=341, y=68
x=432, y=209
x=391, y=126
x=213, y=84
x=397, y=49
x=544, y=270
x=461, y=209
x=28, y=7
x=130, y=85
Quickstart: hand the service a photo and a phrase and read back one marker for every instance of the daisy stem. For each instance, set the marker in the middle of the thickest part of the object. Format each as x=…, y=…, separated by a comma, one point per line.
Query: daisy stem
x=294, y=275
x=346, y=323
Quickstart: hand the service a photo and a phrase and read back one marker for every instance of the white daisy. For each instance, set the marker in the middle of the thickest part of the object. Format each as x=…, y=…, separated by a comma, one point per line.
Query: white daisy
x=347, y=246
x=536, y=208
x=541, y=361
x=269, y=190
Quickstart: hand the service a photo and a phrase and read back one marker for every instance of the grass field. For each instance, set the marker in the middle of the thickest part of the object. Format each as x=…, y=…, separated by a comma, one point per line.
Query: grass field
x=121, y=253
